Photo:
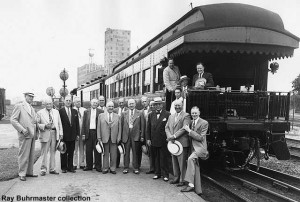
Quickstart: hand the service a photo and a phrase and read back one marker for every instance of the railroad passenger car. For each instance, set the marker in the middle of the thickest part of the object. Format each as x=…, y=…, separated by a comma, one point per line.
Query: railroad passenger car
x=236, y=42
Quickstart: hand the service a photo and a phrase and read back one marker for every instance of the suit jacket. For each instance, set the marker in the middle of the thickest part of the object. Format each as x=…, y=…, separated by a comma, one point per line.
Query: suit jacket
x=80, y=117
x=22, y=119
x=198, y=137
x=70, y=130
x=106, y=130
x=138, y=125
x=207, y=76
x=171, y=77
x=86, y=121
x=156, y=128
x=175, y=127
x=116, y=110
x=103, y=108
x=43, y=120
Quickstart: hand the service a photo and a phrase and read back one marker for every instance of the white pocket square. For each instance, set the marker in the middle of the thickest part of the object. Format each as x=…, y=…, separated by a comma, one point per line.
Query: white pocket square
x=164, y=119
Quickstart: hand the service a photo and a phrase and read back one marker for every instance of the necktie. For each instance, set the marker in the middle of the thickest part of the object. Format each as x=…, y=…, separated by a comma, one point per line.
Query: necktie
x=200, y=75
x=109, y=120
x=176, y=117
x=131, y=117
x=69, y=114
x=79, y=114
x=193, y=125
x=50, y=117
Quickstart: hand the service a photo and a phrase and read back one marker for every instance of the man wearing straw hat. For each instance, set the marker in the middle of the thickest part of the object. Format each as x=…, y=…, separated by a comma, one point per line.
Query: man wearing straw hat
x=24, y=120
x=174, y=130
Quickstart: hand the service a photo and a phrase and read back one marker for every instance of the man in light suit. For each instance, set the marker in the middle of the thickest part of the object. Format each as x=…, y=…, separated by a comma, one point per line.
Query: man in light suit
x=174, y=130
x=171, y=76
x=89, y=135
x=119, y=110
x=197, y=133
x=146, y=111
x=133, y=126
x=71, y=131
x=201, y=74
x=23, y=119
x=51, y=131
x=79, y=144
x=102, y=103
x=109, y=133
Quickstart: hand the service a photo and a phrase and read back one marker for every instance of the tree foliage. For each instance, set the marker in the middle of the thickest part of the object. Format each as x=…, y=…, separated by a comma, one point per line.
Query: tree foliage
x=296, y=84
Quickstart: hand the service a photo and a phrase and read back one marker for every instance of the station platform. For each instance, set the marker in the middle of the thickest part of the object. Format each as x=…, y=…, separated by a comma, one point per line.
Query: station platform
x=93, y=186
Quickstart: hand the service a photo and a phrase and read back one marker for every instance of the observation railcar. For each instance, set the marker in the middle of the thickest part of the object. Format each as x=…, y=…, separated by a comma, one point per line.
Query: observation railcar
x=236, y=42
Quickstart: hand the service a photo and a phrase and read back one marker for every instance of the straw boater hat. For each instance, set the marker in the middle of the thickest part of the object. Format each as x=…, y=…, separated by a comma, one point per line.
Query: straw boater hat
x=99, y=147
x=183, y=78
x=145, y=150
x=157, y=100
x=175, y=148
x=29, y=93
x=61, y=146
x=121, y=148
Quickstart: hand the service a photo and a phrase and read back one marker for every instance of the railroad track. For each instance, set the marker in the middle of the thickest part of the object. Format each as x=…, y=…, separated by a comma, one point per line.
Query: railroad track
x=248, y=185
x=294, y=147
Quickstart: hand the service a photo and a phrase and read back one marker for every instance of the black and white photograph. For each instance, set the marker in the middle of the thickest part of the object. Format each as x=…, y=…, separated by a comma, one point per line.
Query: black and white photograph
x=149, y=100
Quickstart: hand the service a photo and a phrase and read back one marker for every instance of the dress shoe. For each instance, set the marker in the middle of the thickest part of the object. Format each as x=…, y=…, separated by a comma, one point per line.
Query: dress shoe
x=136, y=172
x=82, y=167
x=156, y=177
x=104, y=171
x=22, y=178
x=187, y=189
x=99, y=170
x=180, y=184
x=87, y=169
x=113, y=172
x=166, y=179
x=125, y=171
x=43, y=173
x=173, y=182
x=64, y=171
x=74, y=167
x=72, y=171
x=32, y=175
x=54, y=172
x=150, y=172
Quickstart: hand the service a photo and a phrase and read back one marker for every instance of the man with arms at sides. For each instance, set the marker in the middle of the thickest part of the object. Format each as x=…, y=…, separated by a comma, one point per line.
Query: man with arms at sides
x=197, y=133
x=178, y=94
x=119, y=110
x=89, y=135
x=201, y=74
x=51, y=131
x=23, y=119
x=171, y=76
x=156, y=138
x=174, y=130
x=79, y=144
x=71, y=131
x=133, y=126
x=102, y=103
x=146, y=111
x=109, y=133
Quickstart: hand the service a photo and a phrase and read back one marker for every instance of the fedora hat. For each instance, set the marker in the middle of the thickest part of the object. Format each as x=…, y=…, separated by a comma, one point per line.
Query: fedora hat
x=121, y=148
x=157, y=100
x=29, y=93
x=175, y=148
x=145, y=149
x=99, y=147
x=61, y=146
x=184, y=77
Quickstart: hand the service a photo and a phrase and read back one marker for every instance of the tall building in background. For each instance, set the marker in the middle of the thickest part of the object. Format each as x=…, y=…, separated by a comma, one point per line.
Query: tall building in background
x=88, y=72
x=117, y=47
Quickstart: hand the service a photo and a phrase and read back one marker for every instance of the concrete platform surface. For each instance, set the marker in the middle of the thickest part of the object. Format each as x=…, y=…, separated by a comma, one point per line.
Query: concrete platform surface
x=93, y=186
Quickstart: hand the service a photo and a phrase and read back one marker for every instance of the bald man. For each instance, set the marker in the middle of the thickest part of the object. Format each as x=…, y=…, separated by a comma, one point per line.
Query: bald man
x=89, y=134
x=133, y=126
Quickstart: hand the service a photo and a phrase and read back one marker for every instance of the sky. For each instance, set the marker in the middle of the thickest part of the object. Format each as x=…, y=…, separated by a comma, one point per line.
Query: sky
x=39, y=38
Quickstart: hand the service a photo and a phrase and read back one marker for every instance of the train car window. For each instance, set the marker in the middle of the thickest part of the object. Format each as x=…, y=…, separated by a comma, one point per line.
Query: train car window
x=130, y=86
x=138, y=83
x=121, y=88
x=146, y=79
x=134, y=85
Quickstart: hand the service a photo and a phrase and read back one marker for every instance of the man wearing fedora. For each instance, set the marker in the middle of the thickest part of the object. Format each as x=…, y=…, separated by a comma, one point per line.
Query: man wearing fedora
x=174, y=130
x=71, y=131
x=51, y=131
x=171, y=76
x=79, y=144
x=197, y=133
x=201, y=74
x=156, y=139
x=89, y=135
x=146, y=111
x=133, y=126
x=109, y=133
x=24, y=120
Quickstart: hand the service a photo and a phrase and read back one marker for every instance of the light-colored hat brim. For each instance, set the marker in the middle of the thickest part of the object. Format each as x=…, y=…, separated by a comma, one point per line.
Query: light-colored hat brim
x=172, y=150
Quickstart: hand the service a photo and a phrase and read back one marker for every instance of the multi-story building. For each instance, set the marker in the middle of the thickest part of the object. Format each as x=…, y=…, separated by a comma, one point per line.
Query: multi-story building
x=117, y=47
x=88, y=72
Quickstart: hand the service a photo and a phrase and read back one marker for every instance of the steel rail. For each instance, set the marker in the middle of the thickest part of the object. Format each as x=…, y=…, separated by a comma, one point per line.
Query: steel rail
x=259, y=189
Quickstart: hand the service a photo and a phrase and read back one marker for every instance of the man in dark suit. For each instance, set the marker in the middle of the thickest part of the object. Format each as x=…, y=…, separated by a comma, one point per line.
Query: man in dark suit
x=71, y=131
x=89, y=134
x=201, y=74
x=119, y=110
x=132, y=136
x=156, y=138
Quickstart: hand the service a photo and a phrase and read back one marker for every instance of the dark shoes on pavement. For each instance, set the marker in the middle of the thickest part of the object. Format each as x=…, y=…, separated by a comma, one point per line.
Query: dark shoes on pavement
x=104, y=171
x=156, y=177
x=74, y=167
x=99, y=170
x=150, y=172
x=113, y=172
x=33, y=175
x=125, y=171
x=180, y=184
x=82, y=167
x=64, y=171
x=188, y=189
x=72, y=171
x=54, y=172
x=87, y=169
x=174, y=182
x=22, y=178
